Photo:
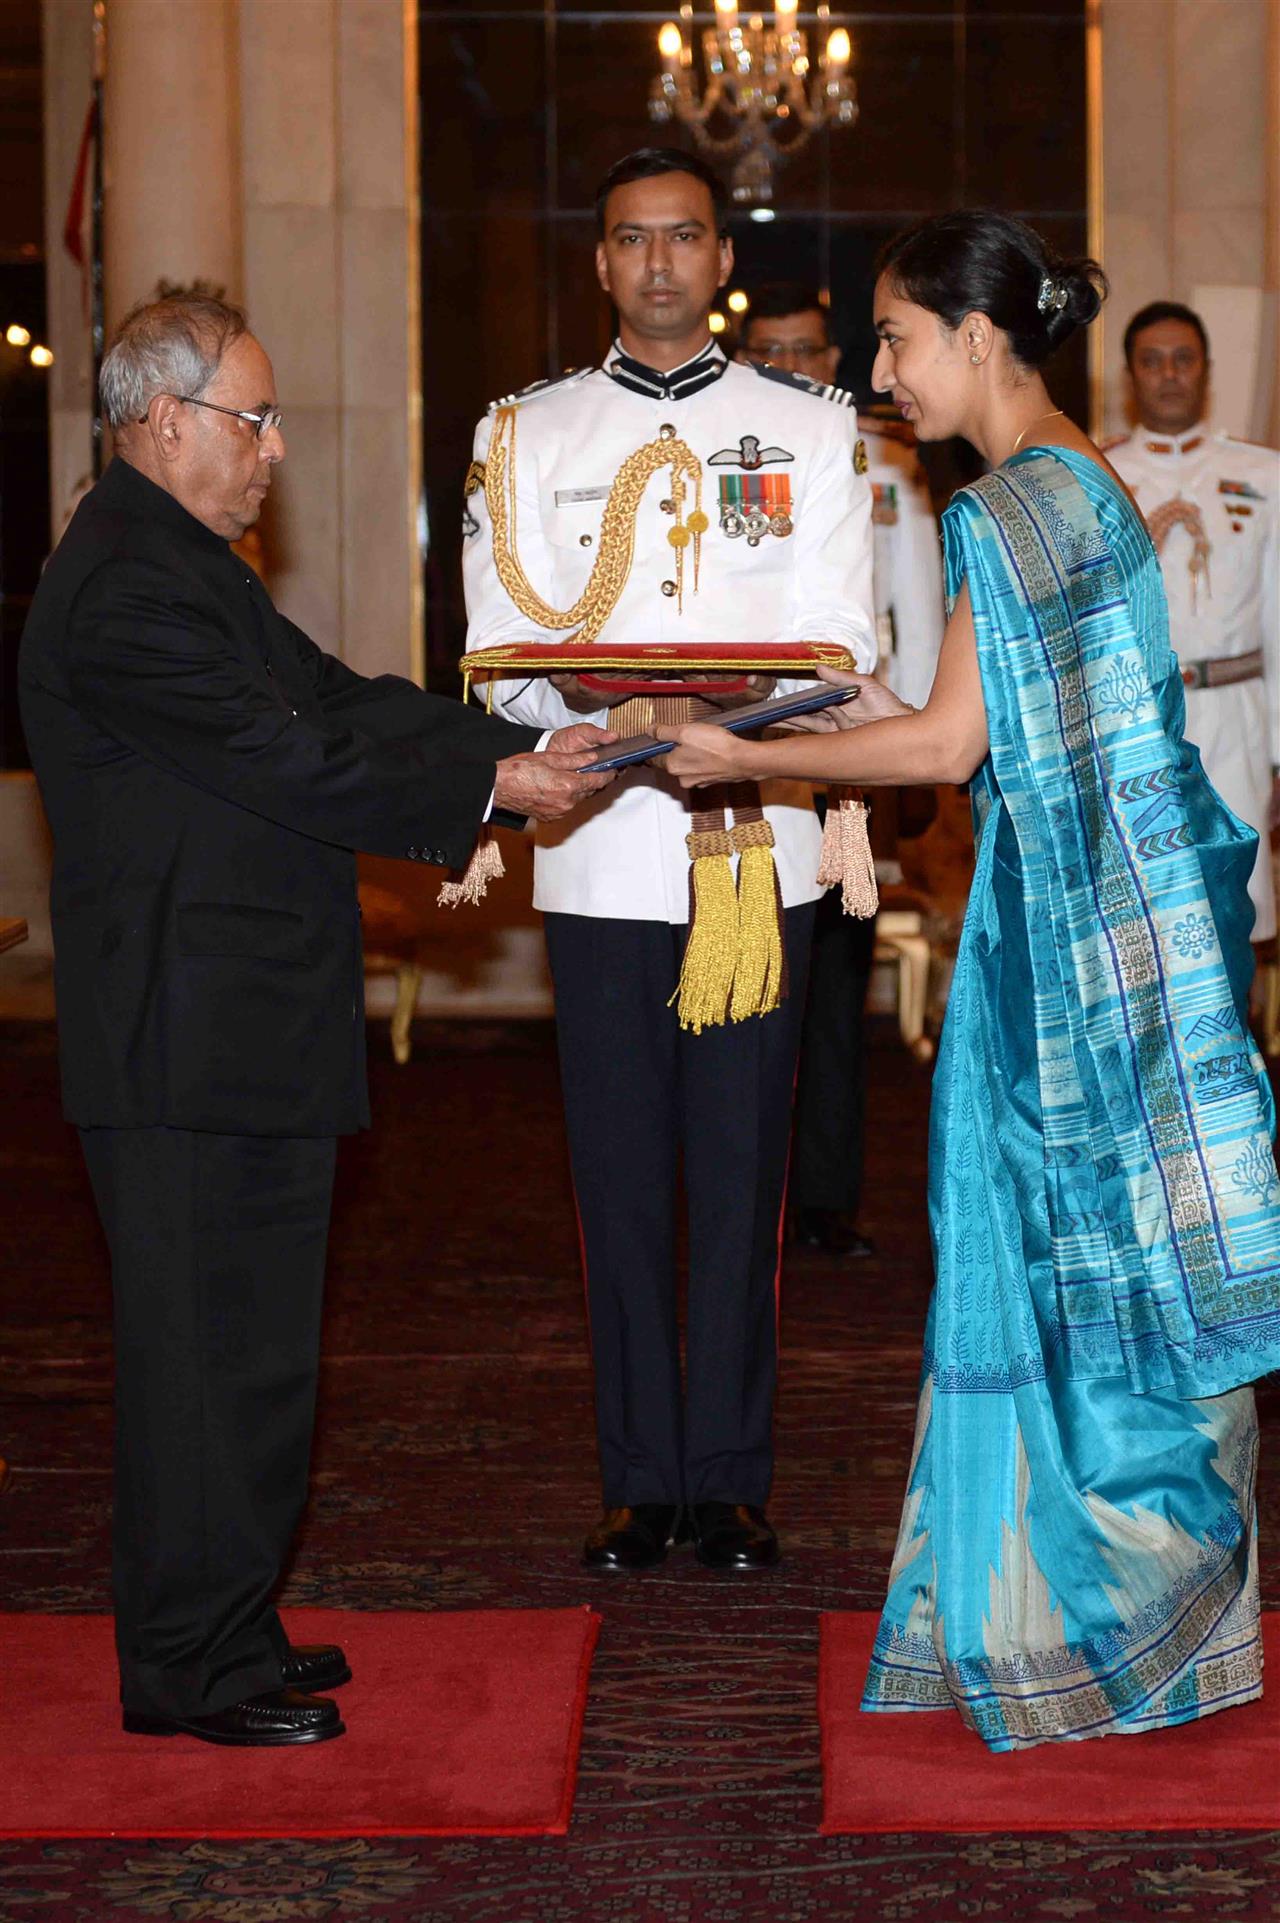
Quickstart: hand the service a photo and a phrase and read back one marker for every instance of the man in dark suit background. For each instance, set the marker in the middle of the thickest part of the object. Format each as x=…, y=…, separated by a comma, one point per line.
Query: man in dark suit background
x=208, y=773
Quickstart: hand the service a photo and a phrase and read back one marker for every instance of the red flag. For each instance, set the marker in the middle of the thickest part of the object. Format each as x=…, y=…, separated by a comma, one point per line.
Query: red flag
x=75, y=228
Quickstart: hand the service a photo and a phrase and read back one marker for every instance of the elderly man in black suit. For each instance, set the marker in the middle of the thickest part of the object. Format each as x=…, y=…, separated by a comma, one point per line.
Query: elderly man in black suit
x=208, y=774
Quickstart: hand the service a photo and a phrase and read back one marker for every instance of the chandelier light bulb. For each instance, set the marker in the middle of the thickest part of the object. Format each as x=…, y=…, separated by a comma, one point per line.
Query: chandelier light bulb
x=41, y=357
x=17, y=336
x=737, y=302
x=716, y=322
x=763, y=93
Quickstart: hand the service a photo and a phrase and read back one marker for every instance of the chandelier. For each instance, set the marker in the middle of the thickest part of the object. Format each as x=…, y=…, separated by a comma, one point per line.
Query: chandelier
x=762, y=99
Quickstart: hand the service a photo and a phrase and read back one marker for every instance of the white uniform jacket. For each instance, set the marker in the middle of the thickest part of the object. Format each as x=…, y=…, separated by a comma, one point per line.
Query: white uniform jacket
x=910, y=604
x=1214, y=508
x=623, y=854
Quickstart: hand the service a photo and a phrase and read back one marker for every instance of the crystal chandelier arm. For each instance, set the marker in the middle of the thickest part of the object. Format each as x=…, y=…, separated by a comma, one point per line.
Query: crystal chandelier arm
x=752, y=71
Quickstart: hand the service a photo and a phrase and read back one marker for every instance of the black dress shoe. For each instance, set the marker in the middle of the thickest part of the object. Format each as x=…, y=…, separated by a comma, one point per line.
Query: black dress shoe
x=259, y=1722
x=313, y=1667
x=833, y=1231
x=636, y=1537
x=733, y=1535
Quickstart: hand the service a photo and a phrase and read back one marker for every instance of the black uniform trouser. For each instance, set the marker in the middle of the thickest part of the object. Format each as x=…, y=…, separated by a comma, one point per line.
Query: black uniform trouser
x=831, y=1083
x=639, y=1091
x=217, y=1254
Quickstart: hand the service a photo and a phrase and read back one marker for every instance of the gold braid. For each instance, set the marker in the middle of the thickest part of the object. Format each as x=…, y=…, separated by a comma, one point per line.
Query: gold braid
x=617, y=527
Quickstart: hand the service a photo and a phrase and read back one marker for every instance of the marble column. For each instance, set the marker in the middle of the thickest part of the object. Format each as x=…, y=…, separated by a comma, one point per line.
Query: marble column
x=1190, y=192
x=67, y=32
x=331, y=282
x=171, y=150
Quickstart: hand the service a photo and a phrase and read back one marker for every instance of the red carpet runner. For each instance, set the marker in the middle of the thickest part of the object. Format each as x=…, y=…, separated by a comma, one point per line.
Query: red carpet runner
x=925, y=1772
x=458, y=1724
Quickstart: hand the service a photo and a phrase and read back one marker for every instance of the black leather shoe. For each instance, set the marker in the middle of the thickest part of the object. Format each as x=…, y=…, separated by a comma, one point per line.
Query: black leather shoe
x=259, y=1722
x=833, y=1231
x=313, y=1667
x=733, y=1535
x=637, y=1537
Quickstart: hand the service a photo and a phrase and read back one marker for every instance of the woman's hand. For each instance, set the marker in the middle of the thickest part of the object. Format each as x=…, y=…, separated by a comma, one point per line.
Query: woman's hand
x=874, y=702
x=704, y=754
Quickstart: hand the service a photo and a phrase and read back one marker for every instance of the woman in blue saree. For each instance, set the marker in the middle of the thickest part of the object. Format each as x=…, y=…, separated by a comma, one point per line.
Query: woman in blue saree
x=1077, y=1549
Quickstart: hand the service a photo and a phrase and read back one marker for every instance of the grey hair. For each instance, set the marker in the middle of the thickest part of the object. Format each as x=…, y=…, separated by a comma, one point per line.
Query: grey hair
x=172, y=346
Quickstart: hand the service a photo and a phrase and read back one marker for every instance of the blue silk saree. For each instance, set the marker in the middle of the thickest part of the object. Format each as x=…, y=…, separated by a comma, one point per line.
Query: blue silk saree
x=1077, y=1549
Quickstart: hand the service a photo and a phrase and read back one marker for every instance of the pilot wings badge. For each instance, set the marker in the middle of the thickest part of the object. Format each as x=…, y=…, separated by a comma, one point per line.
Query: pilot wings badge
x=749, y=454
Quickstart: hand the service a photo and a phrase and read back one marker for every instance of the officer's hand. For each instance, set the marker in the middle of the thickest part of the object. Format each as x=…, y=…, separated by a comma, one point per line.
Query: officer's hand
x=578, y=699
x=545, y=785
x=759, y=687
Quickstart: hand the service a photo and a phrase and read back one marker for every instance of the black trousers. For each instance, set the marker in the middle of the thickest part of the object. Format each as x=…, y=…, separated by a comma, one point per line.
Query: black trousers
x=831, y=1084
x=217, y=1255
x=638, y=1092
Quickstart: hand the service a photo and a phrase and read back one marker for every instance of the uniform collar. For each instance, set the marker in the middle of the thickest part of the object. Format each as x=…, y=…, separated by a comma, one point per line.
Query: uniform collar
x=705, y=368
x=1185, y=443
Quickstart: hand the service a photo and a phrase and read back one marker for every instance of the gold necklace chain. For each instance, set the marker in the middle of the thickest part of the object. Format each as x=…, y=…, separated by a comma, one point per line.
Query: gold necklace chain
x=1051, y=416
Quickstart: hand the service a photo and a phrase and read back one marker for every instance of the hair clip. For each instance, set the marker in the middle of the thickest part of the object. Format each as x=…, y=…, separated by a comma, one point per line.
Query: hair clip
x=1052, y=297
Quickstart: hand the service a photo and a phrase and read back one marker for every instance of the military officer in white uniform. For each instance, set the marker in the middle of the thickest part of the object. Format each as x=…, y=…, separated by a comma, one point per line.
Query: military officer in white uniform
x=780, y=550
x=910, y=605
x=1213, y=507
x=786, y=326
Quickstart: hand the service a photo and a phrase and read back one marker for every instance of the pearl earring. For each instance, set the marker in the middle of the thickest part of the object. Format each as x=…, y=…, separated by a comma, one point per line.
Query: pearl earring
x=975, y=358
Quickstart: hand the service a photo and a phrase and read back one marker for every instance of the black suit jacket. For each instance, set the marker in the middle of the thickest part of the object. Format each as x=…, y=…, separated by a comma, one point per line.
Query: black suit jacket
x=208, y=773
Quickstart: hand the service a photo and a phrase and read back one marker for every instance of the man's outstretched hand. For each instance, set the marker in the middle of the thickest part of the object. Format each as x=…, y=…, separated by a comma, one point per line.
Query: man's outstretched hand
x=548, y=785
x=579, y=738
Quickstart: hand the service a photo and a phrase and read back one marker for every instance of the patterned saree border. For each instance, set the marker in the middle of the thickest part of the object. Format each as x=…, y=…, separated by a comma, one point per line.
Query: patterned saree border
x=1061, y=1696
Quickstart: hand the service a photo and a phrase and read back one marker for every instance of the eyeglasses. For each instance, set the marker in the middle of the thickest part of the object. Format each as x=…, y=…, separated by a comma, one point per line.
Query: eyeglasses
x=262, y=423
x=775, y=350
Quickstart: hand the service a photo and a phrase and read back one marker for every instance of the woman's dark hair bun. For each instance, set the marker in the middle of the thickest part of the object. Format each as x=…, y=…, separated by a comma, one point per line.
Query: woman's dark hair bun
x=1086, y=286
x=977, y=261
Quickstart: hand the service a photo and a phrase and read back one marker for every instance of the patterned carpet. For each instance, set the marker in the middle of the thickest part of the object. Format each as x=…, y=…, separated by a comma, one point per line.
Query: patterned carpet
x=454, y=1468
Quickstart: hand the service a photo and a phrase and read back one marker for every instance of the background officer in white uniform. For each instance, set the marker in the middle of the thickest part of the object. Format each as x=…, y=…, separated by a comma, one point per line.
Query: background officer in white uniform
x=639, y=1091
x=786, y=326
x=1213, y=507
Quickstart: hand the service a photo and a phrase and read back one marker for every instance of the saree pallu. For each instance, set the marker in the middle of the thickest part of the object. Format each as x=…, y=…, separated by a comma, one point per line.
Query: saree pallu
x=1077, y=1549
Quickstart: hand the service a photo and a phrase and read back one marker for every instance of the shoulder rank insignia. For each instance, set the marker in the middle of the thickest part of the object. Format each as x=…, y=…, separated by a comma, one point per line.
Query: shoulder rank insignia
x=860, y=462
x=546, y=386
x=1244, y=490
x=749, y=454
x=819, y=390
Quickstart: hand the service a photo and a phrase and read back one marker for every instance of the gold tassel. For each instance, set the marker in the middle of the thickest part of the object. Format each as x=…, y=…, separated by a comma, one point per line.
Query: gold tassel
x=758, y=982
x=846, y=853
x=486, y=865
x=711, y=952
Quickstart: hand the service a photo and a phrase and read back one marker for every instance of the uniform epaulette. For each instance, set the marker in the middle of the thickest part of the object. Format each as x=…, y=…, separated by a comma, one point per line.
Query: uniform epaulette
x=546, y=386
x=1112, y=440
x=840, y=395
